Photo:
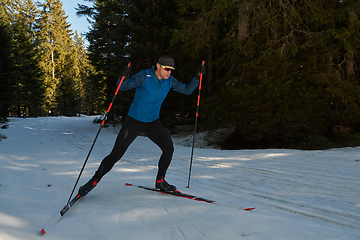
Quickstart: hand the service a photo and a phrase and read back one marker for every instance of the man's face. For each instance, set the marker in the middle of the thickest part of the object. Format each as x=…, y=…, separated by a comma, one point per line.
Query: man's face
x=165, y=71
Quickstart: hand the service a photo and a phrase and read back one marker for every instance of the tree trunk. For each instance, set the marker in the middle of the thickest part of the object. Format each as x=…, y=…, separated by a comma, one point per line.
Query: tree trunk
x=209, y=74
x=350, y=62
x=243, y=24
x=53, y=64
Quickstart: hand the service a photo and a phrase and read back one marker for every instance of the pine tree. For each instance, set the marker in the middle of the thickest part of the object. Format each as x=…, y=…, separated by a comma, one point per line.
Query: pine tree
x=202, y=23
x=6, y=64
x=123, y=31
x=29, y=88
x=83, y=72
x=46, y=57
x=75, y=75
x=343, y=87
x=282, y=73
x=107, y=39
x=288, y=66
x=54, y=35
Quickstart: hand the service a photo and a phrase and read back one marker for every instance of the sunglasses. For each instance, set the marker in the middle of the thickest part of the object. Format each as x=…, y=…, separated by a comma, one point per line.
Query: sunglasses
x=167, y=68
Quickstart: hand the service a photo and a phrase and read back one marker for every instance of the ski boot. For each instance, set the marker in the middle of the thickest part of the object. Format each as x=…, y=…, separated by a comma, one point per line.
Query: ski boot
x=87, y=187
x=162, y=185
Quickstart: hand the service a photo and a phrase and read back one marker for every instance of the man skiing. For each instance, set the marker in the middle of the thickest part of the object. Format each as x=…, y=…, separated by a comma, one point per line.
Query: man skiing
x=152, y=86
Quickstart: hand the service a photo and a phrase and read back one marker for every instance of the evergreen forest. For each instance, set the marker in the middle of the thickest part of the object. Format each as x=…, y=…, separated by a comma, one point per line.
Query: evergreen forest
x=279, y=73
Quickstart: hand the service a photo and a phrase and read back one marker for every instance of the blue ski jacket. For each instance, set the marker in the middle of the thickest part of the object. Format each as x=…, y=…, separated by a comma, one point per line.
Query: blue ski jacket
x=151, y=92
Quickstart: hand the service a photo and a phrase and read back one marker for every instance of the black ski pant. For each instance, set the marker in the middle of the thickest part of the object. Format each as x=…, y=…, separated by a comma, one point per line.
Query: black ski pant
x=130, y=130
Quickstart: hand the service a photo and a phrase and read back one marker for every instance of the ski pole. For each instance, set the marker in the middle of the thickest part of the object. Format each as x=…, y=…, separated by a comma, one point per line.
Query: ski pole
x=196, y=119
x=102, y=124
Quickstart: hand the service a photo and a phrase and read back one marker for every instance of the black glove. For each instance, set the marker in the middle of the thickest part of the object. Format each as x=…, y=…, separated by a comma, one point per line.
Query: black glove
x=125, y=71
x=199, y=70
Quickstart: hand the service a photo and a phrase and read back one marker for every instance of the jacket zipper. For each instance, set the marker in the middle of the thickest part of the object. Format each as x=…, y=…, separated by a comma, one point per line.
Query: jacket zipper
x=157, y=98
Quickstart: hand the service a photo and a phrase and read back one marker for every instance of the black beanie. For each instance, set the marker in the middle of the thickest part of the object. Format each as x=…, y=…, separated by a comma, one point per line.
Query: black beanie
x=166, y=60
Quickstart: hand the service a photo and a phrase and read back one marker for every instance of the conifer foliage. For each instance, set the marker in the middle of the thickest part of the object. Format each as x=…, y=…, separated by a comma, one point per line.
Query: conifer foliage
x=289, y=73
x=50, y=62
x=6, y=64
x=279, y=73
x=58, y=59
x=137, y=31
x=29, y=90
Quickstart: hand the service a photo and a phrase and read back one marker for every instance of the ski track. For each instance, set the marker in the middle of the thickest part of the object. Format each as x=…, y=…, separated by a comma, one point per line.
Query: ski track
x=228, y=187
x=282, y=202
x=262, y=171
x=77, y=139
x=187, y=229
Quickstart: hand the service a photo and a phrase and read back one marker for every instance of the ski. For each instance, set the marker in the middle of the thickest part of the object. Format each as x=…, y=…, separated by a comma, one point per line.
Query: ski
x=185, y=195
x=57, y=217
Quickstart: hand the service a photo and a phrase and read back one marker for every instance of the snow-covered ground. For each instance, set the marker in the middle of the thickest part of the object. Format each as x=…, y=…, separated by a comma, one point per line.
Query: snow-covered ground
x=297, y=194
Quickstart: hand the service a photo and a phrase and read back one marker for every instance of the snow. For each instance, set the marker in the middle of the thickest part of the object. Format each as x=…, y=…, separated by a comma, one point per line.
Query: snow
x=297, y=194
